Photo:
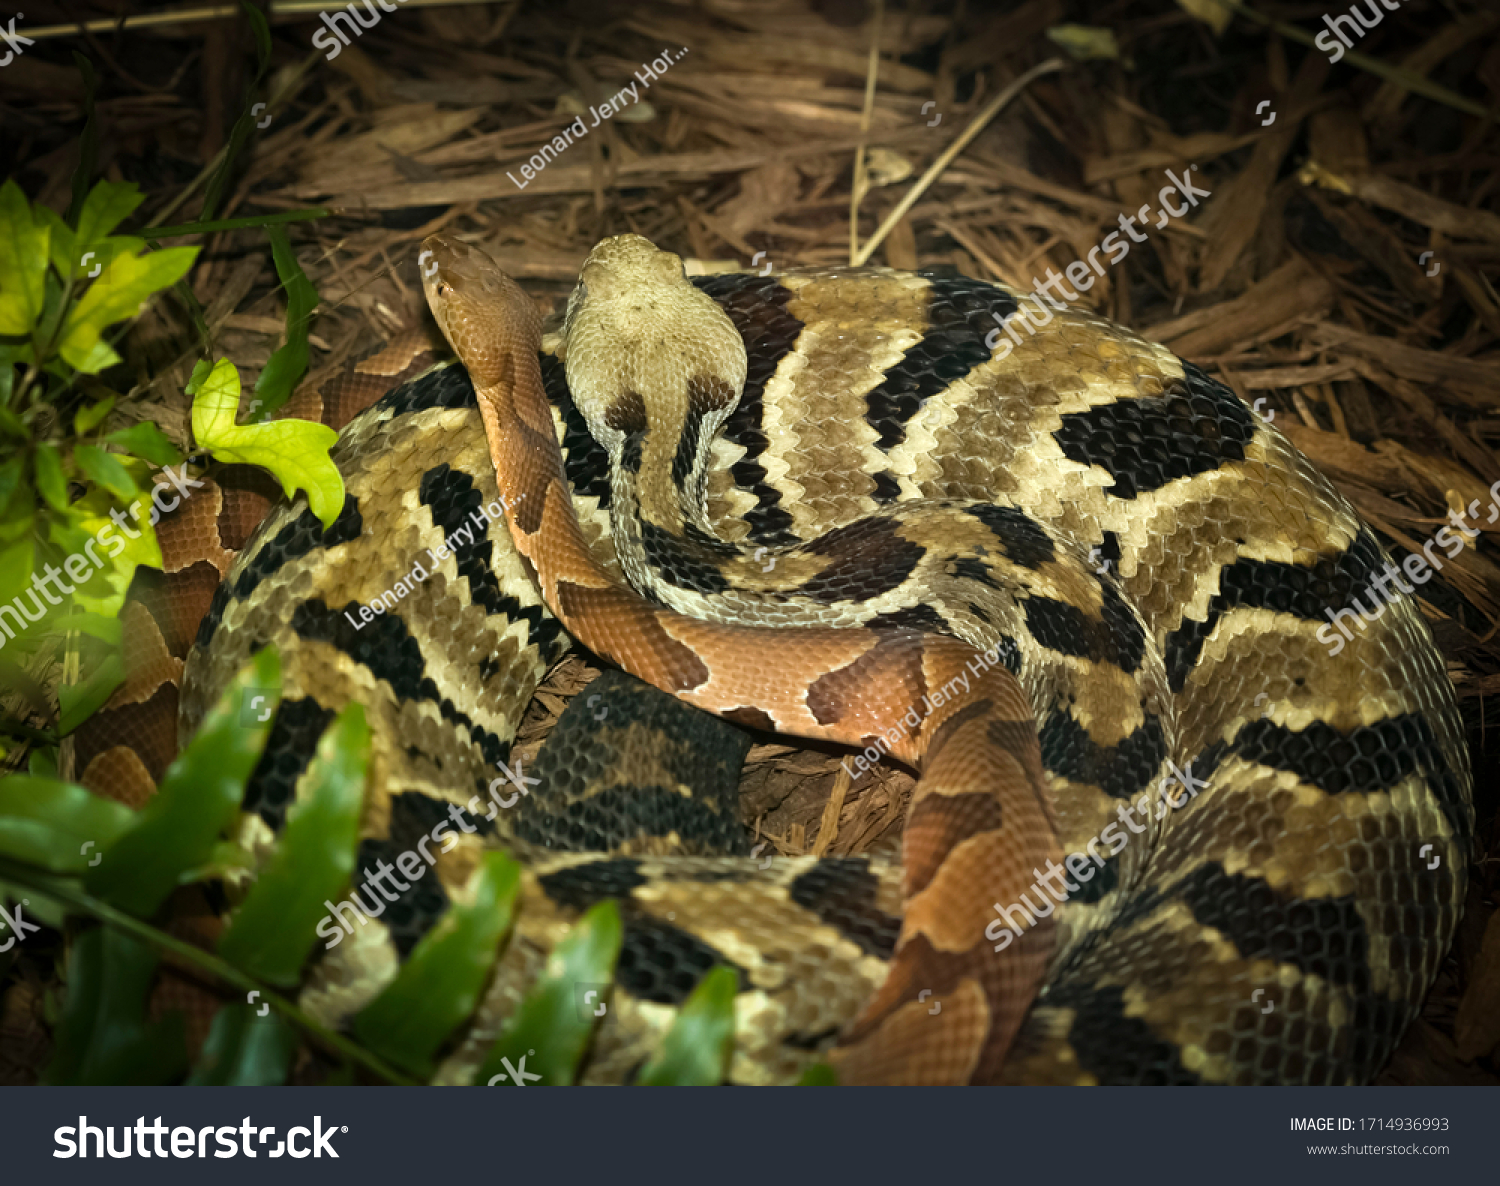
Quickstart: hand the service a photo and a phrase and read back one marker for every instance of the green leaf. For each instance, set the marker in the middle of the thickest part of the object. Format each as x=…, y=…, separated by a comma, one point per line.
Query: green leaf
x=75, y=255
x=148, y=441
x=439, y=985
x=193, y=307
x=108, y=205
x=272, y=931
x=60, y=241
x=88, y=142
x=295, y=451
x=105, y=469
x=1085, y=43
x=90, y=263
x=10, y=477
x=23, y=263
x=120, y=292
x=97, y=626
x=42, y=908
x=242, y=126
x=695, y=1052
x=198, y=800
x=262, y=33
x=245, y=1050
x=57, y=825
x=85, y=420
x=120, y=549
x=820, y=1074
x=16, y=558
x=202, y=369
x=12, y=356
x=550, y=1029
x=32, y=695
x=77, y=702
x=103, y=1037
x=51, y=482
x=287, y=365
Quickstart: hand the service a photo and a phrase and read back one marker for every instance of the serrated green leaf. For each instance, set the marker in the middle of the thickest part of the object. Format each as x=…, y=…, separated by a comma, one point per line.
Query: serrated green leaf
x=120, y=292
x=57, y=825
x=77, y=702
x=198, y=799
x=244, y=1049
x=695, y=1052
x=272, y=931
x=287, y=365
x=51, y=482
x=439, y=985
x=148, y=441
x=550, y=1031
x=103, y=1037
x=105, y=469
x=295, y=451
x=23, y=263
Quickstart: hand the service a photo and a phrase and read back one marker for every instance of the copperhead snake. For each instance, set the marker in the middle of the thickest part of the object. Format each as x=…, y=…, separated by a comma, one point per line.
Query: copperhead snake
x=936, y=517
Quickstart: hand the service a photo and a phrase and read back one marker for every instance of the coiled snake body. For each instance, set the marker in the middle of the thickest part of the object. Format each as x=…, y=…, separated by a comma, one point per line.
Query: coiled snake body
x=1079, y=586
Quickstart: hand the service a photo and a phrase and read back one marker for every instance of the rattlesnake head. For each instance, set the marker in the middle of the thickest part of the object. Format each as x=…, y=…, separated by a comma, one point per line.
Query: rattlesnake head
x=647, y=350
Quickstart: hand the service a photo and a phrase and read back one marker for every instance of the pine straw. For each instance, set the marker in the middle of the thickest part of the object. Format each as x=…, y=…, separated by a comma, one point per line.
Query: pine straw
x=1298, y=282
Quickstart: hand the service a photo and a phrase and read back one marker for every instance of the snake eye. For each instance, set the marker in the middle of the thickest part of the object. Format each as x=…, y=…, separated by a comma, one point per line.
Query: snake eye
x=440, y=288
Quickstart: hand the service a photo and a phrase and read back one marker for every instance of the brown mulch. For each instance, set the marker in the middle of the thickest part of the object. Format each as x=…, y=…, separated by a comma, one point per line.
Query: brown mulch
x=1343, y=270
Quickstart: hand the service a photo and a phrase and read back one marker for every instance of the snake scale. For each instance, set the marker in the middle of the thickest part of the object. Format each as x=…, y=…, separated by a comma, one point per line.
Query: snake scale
x=1079, y=586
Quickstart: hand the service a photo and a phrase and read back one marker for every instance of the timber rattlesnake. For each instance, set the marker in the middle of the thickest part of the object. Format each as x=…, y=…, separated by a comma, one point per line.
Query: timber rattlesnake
x=1292, y=874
